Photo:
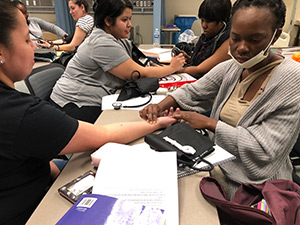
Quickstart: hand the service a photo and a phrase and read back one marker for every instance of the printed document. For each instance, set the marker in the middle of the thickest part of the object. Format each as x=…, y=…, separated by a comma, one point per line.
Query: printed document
x=140, y=175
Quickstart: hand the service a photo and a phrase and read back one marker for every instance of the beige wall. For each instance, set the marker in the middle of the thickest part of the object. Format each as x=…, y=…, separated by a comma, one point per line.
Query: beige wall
x=48, y=17
x=144, y=23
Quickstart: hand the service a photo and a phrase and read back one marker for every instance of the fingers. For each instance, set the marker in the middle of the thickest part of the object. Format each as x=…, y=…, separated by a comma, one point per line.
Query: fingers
x=43, y=43
x=171, y=111
x=178, y=62
x=178, y=116
x=150, y=113
x=142, y=113
x=165, y=113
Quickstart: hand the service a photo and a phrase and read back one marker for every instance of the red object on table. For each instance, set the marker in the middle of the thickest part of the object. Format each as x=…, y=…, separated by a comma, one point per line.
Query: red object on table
x=178, y=83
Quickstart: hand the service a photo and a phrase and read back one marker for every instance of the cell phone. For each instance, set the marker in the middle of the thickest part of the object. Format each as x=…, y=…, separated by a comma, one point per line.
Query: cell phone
x=83, y=184
x=176, y=50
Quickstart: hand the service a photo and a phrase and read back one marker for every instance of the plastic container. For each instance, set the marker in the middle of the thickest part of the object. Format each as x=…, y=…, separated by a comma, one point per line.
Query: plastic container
x=183, y=22
x=156, y=38
x=296, y=56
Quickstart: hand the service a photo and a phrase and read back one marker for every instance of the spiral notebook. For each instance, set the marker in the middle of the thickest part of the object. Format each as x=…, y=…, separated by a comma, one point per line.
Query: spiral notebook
x=217, y=157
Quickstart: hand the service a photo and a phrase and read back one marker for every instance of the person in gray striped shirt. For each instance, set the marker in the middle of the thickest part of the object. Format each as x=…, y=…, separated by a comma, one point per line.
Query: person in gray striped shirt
x=84, y=27
x=253, y=97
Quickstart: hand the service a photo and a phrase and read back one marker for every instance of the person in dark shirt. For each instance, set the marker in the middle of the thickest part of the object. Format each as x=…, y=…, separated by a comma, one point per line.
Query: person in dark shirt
x=32, y=131
x=212, y=46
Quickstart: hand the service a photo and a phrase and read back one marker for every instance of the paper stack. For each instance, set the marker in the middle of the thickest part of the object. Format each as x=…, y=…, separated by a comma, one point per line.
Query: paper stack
x=139, y=175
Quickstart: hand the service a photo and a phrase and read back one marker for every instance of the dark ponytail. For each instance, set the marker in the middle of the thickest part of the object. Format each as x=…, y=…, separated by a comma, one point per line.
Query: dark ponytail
x=82, y=2
x=8, y=21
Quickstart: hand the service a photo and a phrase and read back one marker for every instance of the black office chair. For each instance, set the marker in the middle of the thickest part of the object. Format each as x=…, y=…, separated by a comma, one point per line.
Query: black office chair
x=41, y=81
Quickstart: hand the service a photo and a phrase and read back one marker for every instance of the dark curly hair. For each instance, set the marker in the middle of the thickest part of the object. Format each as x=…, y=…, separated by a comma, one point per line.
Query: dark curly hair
x=215, y=10
x=109, y=8
x=277, y=7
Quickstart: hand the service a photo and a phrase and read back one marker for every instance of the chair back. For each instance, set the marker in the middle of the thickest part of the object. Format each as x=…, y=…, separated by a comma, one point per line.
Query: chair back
x=42, y=82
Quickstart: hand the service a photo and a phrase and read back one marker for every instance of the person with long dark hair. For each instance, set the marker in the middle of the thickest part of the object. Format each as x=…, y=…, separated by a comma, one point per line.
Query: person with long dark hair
x=103, y=63
x=84, y=25
x=32, y=131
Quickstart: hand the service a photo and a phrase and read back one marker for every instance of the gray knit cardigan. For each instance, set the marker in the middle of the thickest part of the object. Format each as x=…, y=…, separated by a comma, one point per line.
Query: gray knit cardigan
x=264, y=135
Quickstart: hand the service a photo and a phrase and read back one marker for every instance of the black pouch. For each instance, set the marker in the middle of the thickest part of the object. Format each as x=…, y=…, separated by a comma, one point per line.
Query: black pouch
x=139, y=56
x=65, y=57
x=44, y=55
x=185, y=135
x=135, y=88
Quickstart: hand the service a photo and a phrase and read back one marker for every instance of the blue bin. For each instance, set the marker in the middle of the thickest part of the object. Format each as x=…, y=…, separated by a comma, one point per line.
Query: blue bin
x=183, y=22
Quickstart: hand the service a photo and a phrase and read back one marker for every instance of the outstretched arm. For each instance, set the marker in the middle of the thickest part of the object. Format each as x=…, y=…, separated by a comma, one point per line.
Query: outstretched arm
x=50, y=27
x=220, y=55
x=153, y=111
x=78, y=37
x=124, y=69
x=91, y=137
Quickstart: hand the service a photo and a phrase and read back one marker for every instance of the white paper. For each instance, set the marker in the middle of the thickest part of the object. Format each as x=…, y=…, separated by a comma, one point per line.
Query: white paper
x=165, y=57
x=217, y=157
x=108, y=100
x=140, y=175
x=155, y=50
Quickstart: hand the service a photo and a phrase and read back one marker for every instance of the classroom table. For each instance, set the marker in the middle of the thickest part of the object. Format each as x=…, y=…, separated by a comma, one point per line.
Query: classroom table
x=169, y=31
x=193, y=208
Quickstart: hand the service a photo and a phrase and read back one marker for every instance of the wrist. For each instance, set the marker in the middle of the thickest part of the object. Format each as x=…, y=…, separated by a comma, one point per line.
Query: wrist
x=173, y=69
x=211, y=124
x=167, y=103
x=58, y=48
x=158, y=124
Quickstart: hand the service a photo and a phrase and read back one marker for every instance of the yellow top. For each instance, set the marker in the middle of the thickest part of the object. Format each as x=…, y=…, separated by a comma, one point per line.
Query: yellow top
x=235, y=106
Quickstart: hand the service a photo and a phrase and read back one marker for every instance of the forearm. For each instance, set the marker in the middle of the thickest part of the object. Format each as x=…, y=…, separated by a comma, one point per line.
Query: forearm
x=58, y=42
x=50, y=27
x=167, y=103
x=157, y=71
x=128, y=132
x=66, y=47
x=195, y=71
x=91, y=137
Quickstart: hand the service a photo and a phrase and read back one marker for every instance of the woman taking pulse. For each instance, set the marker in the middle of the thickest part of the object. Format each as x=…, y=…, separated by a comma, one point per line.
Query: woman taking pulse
x=254, y=98
x=103, y=63
x=32, y=131
x=84, y=26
